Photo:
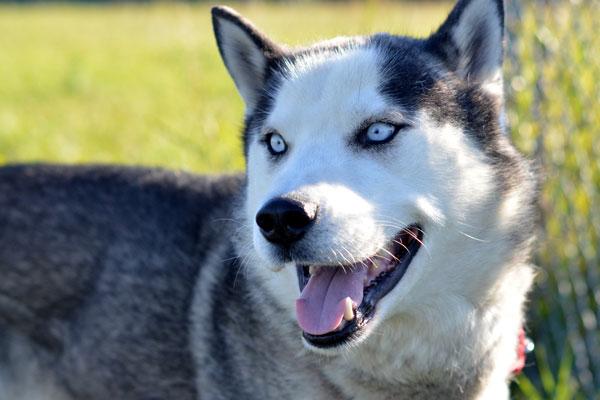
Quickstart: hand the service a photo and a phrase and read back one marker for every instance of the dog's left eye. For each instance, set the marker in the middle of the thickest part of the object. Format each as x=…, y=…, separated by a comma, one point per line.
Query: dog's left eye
x=379, y=132
x=276, y=143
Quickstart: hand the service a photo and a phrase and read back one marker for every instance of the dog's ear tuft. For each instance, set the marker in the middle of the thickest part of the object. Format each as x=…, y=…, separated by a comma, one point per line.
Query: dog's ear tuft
x=470, y=42
x=246, y=52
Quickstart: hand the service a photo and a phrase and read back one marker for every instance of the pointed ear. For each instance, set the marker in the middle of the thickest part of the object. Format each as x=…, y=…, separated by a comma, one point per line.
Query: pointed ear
x=470, y=41
x=246, y=52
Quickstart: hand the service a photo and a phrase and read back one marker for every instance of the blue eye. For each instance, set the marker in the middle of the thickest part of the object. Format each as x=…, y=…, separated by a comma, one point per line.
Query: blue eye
x=380, y=132
x=276, y=144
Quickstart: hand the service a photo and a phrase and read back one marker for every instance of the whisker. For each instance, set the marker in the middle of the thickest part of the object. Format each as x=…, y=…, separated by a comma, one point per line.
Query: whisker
x=393, y=256
x=402, y=244
x=473, y=237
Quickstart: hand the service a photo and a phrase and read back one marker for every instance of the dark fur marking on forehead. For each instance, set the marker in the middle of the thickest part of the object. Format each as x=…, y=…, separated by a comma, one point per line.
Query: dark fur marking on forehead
x=273, y=79
x=412, y=80
x=406, y=75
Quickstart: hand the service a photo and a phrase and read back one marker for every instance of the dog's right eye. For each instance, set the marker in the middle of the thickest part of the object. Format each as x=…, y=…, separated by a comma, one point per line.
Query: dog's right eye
x=276, y=143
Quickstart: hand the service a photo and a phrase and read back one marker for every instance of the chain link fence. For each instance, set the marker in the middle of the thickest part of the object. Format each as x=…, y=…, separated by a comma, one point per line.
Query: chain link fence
x=553, y=87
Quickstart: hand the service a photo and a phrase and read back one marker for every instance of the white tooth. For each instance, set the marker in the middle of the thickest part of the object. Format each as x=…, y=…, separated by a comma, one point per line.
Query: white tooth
x=312, y=269
x=348, y=311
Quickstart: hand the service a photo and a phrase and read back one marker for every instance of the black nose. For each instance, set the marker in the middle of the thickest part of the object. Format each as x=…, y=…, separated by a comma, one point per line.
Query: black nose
x=285, y=221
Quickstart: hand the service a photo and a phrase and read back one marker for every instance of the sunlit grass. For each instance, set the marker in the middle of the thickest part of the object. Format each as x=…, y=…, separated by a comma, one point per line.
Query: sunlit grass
x=554, y=92
x=144, y=84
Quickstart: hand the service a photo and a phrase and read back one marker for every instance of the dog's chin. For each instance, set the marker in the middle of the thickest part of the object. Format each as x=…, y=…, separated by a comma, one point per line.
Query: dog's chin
x=377, y=277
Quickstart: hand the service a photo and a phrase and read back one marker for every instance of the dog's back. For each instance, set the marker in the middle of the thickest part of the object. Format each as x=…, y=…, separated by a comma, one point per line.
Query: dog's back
x=98, y=266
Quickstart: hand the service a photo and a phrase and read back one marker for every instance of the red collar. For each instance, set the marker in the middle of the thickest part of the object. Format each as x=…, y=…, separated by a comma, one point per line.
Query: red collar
x=524, y=346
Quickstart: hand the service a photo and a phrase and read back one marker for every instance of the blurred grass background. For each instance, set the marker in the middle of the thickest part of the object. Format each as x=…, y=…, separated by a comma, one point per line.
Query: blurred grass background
x=143, y=84
x=553, y=71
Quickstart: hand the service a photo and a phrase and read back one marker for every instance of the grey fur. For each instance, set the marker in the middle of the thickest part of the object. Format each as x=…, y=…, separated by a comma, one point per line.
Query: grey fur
x=99, y=266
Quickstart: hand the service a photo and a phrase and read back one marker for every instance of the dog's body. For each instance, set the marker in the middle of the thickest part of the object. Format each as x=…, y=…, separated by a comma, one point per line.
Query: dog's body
x=380, y=180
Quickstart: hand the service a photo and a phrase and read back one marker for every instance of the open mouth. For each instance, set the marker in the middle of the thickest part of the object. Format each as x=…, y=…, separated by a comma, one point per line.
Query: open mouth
x=337, y=303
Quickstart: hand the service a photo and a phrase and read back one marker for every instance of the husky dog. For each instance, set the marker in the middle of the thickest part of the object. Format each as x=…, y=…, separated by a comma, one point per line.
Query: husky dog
x=376, y=248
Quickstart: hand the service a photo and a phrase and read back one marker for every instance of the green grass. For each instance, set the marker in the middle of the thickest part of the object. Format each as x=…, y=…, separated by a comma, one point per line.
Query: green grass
x=144, y=84
x=554, y=92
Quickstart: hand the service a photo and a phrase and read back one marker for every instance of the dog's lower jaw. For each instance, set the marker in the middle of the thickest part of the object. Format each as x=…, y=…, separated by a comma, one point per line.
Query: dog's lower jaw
x=428, y=361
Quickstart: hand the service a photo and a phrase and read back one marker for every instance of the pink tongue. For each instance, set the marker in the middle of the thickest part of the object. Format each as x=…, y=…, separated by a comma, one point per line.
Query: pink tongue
x=320, y=308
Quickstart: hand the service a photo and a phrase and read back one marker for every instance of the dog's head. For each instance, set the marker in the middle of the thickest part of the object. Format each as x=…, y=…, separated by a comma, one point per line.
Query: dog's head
x=380, y=180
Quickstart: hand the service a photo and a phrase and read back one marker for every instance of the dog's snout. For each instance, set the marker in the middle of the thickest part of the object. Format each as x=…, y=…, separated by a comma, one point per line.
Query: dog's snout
x=284, y=221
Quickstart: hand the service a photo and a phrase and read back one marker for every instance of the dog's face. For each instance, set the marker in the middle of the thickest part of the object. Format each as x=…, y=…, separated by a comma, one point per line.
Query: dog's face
x=381, y=183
